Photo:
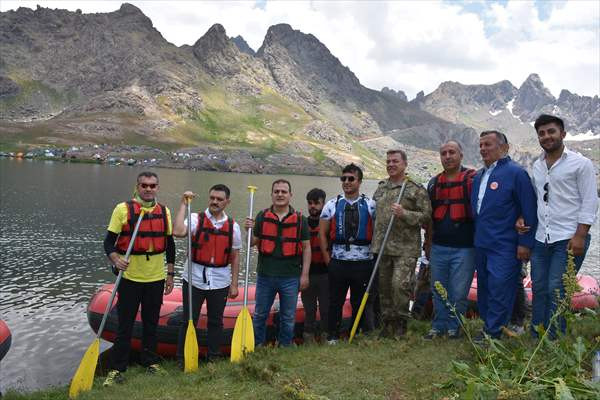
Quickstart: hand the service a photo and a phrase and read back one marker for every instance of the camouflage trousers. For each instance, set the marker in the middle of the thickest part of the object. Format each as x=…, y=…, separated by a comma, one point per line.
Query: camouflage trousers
x=396, y=282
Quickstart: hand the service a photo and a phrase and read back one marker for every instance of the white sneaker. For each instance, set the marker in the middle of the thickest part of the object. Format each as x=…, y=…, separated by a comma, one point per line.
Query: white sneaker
x=518, y=330
x=332, y=342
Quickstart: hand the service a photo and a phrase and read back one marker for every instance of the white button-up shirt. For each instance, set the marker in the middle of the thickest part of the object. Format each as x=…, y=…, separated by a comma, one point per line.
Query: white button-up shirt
x=483, y=185
x=216, y=278
x=572, y=195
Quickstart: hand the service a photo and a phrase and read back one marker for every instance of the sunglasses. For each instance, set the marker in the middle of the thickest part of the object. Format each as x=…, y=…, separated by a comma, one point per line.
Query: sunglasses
x=546, y=187
x=347, y=178
x=148, y=185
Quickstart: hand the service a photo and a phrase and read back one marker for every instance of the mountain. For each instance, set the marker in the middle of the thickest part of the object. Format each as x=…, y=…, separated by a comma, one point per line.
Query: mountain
x=512, y=110
x=70, y=78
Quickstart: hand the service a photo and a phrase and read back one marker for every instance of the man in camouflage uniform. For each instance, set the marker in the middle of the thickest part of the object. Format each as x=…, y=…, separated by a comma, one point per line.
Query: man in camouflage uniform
x=403, y=247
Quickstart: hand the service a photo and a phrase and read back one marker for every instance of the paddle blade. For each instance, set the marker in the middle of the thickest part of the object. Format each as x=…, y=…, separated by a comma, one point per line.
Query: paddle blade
x=358, y=315
x=190, y=351
x=242, y=341
x=84, y=376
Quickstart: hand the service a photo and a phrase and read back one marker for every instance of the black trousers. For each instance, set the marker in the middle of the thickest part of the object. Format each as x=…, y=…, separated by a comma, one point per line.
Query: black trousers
x=316, y=293
x=353, y=275
x=131, y=295
x=518, y=315
x=216, y=300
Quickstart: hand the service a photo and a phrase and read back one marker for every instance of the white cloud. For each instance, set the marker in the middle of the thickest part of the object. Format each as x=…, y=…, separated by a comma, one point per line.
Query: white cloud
x=408, y=45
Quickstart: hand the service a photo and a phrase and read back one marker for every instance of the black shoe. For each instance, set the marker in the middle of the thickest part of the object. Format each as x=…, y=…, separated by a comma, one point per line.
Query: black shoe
x=402, y=328
x=454, y=334
x=113, y=377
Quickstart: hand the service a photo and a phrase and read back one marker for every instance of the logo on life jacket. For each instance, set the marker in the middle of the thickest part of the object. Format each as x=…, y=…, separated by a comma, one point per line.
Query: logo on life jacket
x=315, y=246
x=351, y=223
x=288, y=229
x=152, y=233
x=211, y=247
x=454, y=195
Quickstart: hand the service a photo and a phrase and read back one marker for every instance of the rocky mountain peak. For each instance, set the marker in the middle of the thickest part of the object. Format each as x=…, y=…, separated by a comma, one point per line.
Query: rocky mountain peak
x=216, y=52
x=399, y=94
x=242, y=45
x=532, y=99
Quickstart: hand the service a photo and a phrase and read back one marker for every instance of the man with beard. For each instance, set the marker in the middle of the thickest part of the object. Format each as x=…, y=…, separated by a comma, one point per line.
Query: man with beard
x=567, y=204
x=318, y=288
x=403, y=247
x=347, y=226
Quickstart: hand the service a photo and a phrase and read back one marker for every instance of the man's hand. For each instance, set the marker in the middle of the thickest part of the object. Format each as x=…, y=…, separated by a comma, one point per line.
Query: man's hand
x=118, y=261
x=169, y=284
x=523, y=253
x=233, y=291
x=248, y=223
x=304, y=282
x=576, y=245
x=397, y=210
x=187, y=195
x=521, y=227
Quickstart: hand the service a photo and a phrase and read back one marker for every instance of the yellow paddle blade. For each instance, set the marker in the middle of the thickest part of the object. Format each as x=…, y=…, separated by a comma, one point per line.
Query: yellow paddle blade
x=242, y=341
x=190, y=351
x=84, y=376
x=358, y=315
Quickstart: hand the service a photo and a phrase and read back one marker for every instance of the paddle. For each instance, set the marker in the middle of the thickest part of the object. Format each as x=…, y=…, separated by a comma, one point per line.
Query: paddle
x=190, y=351
x=84, y=376
x=366, y=296
x=242, y=341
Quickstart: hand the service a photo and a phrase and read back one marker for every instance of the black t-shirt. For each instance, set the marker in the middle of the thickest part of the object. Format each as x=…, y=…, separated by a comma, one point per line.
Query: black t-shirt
x=450, y=233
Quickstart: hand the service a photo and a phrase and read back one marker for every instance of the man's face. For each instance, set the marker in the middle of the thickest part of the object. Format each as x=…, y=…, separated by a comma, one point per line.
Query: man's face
x=315, y=207
x=395, y=165
x=281, y=195
x=217, y=201
x=147, y=187
x=490, y=149
x=450, y=156
x=550, y=137
x=350, y=183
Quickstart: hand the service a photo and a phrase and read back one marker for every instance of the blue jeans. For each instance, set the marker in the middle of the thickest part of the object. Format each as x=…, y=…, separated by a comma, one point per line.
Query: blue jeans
x=453, y=267
x=266, y=288
x=548, y=264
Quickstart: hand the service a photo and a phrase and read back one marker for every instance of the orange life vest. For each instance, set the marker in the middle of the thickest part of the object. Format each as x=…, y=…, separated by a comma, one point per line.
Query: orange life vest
x=288, y=229
x=211, y=247
x=152, y=233
x=454, y=195
x=315, y=246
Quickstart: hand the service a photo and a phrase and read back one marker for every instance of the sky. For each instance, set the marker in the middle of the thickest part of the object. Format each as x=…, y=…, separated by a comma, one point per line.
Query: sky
x=406, y=45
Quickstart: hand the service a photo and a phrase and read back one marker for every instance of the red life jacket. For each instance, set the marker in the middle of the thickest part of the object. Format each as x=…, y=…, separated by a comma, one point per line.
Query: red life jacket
x=289, y=229
x=152, y=232
x=454, y=195
x=211, y=247
x=315, y=246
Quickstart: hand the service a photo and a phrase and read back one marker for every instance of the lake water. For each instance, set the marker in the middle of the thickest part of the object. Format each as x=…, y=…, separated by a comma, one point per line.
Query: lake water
x=54, y=218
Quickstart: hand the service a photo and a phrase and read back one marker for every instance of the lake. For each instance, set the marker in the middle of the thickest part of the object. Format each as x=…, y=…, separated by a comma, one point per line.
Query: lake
x=54, y=217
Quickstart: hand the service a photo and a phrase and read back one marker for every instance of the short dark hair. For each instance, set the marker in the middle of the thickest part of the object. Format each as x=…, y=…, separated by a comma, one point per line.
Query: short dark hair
x=353, y=168
x=502, y=139
x=545, y=119
x=398, y=151
x=316, y=194
x=146, y=174
x=219, y=187
x=281, y=181
x=456, y=142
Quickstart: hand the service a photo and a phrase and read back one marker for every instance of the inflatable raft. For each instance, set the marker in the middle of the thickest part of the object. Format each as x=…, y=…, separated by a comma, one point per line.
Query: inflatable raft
x=5, y=339
x=586, y=298
x=171, y=314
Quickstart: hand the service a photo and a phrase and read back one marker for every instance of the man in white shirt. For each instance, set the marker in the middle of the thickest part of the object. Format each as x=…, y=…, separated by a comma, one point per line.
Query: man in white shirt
x=567, y=198
x=345, y=233
x=216, y=243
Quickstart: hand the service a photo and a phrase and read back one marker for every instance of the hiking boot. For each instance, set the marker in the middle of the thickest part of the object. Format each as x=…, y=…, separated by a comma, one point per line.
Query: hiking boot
x=433, y=334
x=156, y=369
x=454, y=334
x=113, y=377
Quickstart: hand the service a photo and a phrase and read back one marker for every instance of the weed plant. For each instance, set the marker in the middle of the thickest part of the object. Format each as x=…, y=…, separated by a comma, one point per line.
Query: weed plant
x=532, y=368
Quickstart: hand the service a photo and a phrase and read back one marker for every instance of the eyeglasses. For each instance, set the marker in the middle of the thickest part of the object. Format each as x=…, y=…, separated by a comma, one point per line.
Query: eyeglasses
x=148, y=185
x=546, y=188
x=347, y=178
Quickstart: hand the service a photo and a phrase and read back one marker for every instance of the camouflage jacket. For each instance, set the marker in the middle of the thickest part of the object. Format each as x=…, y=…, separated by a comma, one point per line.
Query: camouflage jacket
x=405, y=236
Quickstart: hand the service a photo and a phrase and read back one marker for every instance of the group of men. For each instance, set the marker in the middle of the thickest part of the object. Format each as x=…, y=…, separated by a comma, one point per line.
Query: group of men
x=489, y=221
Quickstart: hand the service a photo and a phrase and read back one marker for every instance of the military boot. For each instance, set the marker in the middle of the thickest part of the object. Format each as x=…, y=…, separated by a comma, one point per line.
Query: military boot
x=401, y=327
x=308, y=337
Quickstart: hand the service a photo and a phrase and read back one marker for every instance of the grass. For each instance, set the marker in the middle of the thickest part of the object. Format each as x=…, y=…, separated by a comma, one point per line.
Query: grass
x=370, y=368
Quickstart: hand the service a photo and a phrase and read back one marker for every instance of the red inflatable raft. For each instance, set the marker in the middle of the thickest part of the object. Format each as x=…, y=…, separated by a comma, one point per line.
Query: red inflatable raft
x=586, y=298
x=5, y=339
x=171, y=314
